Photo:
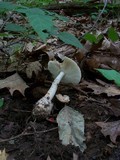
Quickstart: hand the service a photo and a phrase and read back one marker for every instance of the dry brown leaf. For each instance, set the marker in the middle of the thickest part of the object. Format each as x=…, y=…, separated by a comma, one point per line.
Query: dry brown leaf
x=110, y=128
x=98, y=89
x=14, y=82
x=63, y=98
x=3, y=155
x=48, y=158
x=105, y=44
x=29, y=47
x=33, y=67
x=75, y=156
x=115, y=107
x=115, y=48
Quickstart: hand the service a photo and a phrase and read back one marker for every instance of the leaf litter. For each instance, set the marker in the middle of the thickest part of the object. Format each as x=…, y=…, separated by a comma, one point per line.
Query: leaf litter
x=71, y=127
x=96, y=101
x=14, y=82
x=110, y=128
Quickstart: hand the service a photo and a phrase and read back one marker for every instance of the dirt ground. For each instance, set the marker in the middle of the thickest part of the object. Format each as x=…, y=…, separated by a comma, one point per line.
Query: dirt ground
x=37, y=139
x=26, y=138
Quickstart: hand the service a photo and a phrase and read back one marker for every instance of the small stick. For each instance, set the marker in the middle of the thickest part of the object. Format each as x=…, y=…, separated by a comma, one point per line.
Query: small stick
x=27, y=134
x=100, y=14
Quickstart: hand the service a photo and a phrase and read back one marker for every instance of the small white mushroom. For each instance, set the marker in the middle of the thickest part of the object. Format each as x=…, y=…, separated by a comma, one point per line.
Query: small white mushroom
x=67, y=72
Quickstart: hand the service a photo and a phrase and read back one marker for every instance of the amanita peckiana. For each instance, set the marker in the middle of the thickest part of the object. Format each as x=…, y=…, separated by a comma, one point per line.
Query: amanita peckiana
x=67, y=72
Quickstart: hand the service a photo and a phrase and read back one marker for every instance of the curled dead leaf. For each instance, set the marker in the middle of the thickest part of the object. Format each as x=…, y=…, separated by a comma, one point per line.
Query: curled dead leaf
x=63, y=98
x=29, y=47
x=110, y=128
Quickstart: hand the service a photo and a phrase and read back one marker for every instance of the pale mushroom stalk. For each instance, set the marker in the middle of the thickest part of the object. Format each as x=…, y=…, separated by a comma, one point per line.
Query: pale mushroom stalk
x=67, y=72
x=46, y=101
x=51, y=92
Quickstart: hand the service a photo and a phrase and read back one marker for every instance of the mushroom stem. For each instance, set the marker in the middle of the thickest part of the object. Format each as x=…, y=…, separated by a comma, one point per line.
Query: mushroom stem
x=51, y=92
x=44, y=106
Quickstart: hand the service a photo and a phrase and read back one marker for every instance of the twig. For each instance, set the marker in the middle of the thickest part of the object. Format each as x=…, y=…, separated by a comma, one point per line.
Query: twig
x=10, y=44
x=100, y=14
x=2, y=26
x=27, y=134
x=98, y=18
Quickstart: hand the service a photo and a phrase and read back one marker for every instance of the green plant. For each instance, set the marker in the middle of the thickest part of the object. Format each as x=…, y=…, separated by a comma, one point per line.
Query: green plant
x=111, y=75
x=42, y=21
x=94, y=39
x=112, y=34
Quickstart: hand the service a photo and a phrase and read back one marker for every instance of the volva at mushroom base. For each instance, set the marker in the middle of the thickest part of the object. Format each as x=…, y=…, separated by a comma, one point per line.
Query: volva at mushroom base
x=67, y=72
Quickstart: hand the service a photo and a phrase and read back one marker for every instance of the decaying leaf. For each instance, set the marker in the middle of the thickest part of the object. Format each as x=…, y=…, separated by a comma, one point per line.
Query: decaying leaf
x=29, y=47
x=110, y=128
x=75, y=156
x=3, y=155
x=63, y=98
x=115, y=48
x=71, y=127
x=48, y=158
x=14, y=82
x=110, y=90
x=33, y=67
x=105, y=44
x=115, y=107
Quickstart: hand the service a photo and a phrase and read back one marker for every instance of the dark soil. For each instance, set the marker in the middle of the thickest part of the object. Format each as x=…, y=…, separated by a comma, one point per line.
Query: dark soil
x=26, y=138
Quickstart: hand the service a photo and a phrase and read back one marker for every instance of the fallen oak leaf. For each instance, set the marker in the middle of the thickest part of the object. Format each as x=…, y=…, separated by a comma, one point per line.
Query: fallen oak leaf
x=110, y=128
x=14, y=82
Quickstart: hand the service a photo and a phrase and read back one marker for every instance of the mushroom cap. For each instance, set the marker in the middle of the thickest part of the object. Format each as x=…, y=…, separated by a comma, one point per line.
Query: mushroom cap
x=69, y=67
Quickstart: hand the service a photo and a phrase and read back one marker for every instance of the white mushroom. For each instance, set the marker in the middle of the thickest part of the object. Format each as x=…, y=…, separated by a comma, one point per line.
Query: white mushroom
x=67, y=72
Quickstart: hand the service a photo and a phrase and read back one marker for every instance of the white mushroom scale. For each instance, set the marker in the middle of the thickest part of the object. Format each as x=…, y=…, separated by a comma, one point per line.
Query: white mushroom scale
x=67, y=72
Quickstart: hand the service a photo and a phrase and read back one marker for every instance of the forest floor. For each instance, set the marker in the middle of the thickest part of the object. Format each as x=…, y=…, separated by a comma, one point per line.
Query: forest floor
x=24, y=137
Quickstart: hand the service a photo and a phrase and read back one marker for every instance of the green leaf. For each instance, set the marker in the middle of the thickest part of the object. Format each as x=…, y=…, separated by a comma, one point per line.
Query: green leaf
x=14, y=28
x=1, y=102
x=7, y=6
x=90, y=37
x=62, y=18
x=99, y=38
x=42, y=24
x=5, y=35
x=112, y=34
x=56, y=16
x=71, y=127
x=69, y=39
x=31, y=11
x=111, y=75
